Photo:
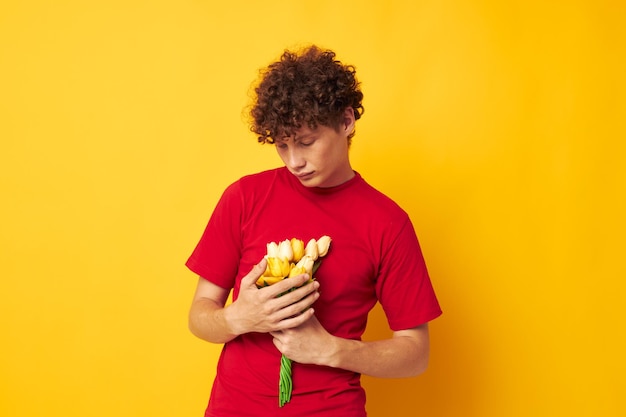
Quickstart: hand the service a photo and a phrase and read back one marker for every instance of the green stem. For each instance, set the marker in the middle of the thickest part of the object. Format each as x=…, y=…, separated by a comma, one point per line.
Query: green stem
x=285, y=384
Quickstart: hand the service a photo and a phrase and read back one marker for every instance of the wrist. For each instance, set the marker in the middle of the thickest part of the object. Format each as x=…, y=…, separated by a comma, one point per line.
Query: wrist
x=338, y=350
x=231, y=323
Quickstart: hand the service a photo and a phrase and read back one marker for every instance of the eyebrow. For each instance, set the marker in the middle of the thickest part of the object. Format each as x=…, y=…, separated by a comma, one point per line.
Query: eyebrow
x=305, y=136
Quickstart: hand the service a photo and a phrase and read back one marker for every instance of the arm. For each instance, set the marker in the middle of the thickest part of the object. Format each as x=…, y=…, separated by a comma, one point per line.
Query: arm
x=405, y=354
x=255, y=310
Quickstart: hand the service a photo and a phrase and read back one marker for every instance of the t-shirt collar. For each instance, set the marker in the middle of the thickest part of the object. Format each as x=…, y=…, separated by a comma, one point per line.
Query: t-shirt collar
x=320, y=190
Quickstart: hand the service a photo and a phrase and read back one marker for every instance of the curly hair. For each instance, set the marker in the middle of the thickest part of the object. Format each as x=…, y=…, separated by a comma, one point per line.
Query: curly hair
x=309, y=88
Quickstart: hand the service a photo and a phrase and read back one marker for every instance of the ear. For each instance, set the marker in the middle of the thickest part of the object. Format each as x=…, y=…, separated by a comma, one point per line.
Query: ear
x=348, y=121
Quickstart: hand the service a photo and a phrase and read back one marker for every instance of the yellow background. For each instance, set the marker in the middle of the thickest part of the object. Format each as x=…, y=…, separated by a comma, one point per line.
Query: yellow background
x=498, y=125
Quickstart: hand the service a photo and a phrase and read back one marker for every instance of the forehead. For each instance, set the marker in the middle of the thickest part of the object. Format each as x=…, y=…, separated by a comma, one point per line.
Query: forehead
x=298, y=134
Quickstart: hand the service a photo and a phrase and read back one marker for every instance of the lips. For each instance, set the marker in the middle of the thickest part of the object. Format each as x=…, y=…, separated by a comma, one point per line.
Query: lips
x=304, y=175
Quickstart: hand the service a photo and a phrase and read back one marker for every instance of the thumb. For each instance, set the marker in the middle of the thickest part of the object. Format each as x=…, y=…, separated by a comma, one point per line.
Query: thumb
x=257, y=270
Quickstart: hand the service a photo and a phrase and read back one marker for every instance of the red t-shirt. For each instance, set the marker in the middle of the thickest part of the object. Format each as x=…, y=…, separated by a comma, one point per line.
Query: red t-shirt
x=374, y=256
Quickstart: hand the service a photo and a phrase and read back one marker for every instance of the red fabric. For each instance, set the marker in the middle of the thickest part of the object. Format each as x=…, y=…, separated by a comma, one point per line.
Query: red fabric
x=374, y=255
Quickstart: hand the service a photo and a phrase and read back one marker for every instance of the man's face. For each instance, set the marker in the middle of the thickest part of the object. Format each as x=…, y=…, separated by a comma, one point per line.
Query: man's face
x=318, y=157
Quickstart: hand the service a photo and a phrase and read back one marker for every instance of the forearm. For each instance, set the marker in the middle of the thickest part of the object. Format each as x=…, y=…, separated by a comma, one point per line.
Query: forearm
x=207, y=320
x=400, y=356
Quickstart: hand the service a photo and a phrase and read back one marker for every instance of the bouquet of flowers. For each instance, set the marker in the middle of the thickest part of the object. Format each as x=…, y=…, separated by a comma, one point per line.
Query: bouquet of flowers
x=287, y=259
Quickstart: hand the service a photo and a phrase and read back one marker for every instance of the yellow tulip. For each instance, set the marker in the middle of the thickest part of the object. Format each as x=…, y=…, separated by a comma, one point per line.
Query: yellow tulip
x=285, y=251
x=272, y=250
x=298, y=249
x=270, y=280
x=306, y=263
x=311, y=249
x=279, y=267
x=323, y=244
x=267, y=278
x=296, y=270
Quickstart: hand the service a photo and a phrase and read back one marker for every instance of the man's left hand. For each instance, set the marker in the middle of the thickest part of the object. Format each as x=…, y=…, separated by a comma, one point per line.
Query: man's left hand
x=307, y=343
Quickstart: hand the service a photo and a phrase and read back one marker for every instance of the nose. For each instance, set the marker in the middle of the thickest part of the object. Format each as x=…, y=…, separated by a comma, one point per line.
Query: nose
x=294, y=159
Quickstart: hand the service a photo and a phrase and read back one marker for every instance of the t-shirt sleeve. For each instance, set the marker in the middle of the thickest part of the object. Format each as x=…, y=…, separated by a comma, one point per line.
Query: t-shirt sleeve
x=216, y=256
x=403, y=287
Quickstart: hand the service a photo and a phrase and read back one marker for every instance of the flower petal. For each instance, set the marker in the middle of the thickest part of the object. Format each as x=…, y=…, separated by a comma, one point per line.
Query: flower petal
x=297, y=246
x=323, y=244
x=285, y=251
x=272, y=250
x=311, y=249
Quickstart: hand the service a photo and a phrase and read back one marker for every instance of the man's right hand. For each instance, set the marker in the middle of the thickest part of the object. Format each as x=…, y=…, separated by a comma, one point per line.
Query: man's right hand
x=263, y=311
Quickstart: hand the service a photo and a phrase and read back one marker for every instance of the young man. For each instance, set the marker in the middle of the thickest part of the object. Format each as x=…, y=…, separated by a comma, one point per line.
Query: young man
x=307, y=104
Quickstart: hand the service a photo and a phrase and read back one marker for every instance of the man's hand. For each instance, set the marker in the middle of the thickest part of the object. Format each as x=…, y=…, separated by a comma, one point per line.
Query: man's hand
x=307, y=343
x=262, y=310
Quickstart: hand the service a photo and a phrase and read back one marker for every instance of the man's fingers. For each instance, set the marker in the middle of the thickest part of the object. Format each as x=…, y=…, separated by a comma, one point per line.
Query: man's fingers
x=295, y=321
x=288, y=283
x=294, y=304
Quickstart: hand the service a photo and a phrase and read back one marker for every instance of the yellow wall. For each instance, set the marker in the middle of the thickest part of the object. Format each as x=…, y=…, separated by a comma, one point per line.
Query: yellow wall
x=498, y=125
